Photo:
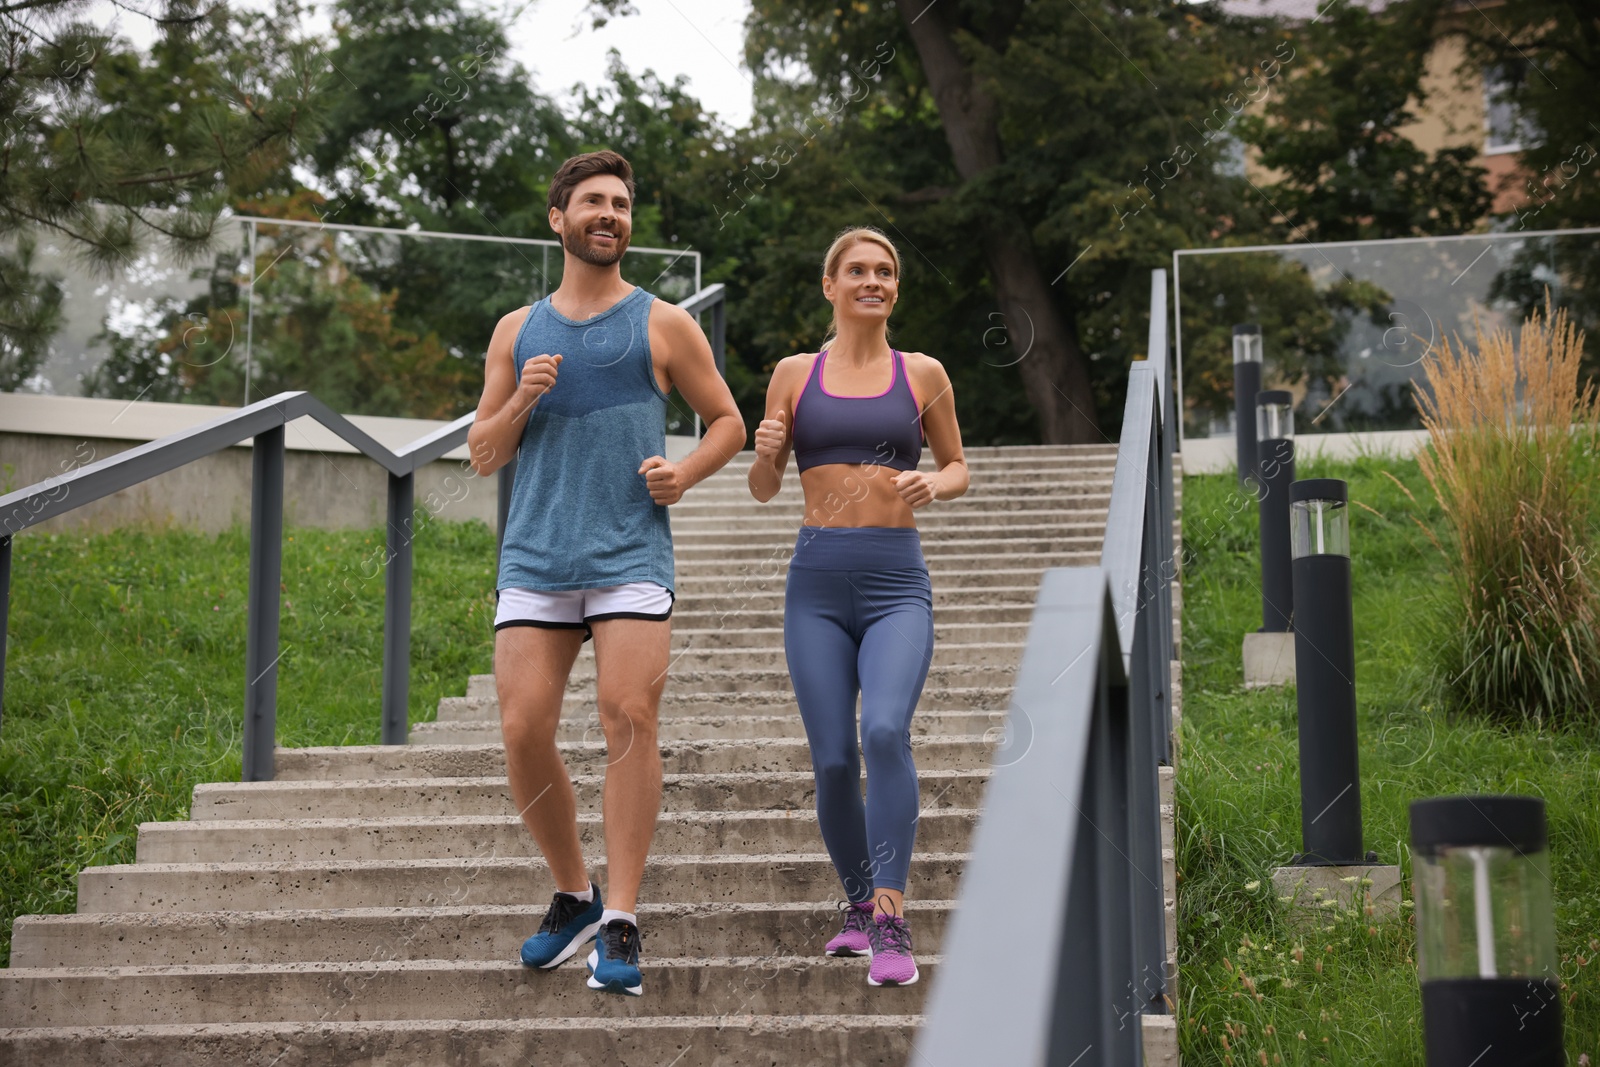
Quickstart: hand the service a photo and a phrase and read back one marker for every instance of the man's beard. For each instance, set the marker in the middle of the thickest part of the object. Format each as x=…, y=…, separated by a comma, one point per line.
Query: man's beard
x=578, y=244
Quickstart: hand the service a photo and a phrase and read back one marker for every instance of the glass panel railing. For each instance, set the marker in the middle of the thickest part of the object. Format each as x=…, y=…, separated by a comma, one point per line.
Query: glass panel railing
x=378, y=322
x=1347, y=327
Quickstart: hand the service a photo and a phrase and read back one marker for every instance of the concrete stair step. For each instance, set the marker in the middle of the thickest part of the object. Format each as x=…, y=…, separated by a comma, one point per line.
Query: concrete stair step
x=750, y=550
x=725, y=704
x=735, y=633
x=485, y=729
x=680, y=833
x=776, y=562
x=412, y=990
x=946, y=620
x=697, y=1041
x=786, y=527
x=489, y=795
x=677, y=757
x=986, y=456
x=360, y=935
x=797, y=877
x=946, y=597
x=775, y=678
x=772, y=579
x=736, y=474
x=1086, y=494
x=763, y=650
x=751, y=701
x=699, y=536
x=1067, y=487
x=1061, y=486
x=931, y=520
x=1006, y=458
x=581, y=706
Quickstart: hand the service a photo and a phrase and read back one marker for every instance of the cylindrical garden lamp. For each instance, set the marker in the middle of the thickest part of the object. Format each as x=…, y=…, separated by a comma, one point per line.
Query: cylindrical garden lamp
x=1325, y=672
x=1486, y=935
x=1246, y=384
x=1275, y=469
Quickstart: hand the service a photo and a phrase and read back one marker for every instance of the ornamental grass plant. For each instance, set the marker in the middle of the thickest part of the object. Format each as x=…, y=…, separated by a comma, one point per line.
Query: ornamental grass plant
x=1512, y=459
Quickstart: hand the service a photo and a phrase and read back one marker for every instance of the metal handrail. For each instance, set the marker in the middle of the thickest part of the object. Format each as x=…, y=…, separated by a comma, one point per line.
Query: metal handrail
x=1071, y=823
x=263, y=423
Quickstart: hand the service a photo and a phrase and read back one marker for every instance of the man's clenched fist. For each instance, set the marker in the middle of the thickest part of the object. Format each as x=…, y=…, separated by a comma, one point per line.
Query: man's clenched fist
x=538, y=378
x=663, y=480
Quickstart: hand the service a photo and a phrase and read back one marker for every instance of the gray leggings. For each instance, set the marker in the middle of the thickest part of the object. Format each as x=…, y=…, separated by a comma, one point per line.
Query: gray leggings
x=858, y=617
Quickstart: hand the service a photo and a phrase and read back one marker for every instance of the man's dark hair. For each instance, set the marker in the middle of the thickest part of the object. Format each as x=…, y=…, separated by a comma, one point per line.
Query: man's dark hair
x=579, y=168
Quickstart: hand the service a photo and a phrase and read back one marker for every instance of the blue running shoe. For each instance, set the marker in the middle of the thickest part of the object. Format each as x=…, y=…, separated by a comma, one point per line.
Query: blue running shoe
x=614, y=963
x=568, y=925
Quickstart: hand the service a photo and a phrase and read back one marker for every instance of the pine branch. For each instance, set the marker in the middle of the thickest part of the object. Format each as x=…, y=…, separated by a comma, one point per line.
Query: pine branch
x=162, y=20
x=24, y=5
x=168, y=177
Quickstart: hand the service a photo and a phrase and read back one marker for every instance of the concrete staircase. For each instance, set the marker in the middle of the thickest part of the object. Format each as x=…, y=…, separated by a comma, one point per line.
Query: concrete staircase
x=366, y=907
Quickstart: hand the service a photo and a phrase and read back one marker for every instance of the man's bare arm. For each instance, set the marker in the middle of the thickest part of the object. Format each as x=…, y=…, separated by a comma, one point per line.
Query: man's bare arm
x=692, y=370
x=503, y=411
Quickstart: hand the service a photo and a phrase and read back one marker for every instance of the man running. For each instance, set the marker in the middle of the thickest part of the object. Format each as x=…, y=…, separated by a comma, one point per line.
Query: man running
x=576, y=387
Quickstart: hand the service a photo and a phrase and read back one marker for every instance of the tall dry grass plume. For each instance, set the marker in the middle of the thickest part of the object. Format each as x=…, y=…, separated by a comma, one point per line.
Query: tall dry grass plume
x=1513, y=461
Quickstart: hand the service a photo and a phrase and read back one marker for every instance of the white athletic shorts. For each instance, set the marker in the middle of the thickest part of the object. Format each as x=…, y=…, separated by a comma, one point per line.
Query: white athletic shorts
x=575, y=609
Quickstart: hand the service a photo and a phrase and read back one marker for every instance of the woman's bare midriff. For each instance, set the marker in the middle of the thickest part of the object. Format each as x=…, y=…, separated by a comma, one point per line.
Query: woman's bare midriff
x=853, y=494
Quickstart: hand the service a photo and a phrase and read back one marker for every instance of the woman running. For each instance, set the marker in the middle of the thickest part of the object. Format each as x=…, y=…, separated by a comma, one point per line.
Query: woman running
x=858, y=609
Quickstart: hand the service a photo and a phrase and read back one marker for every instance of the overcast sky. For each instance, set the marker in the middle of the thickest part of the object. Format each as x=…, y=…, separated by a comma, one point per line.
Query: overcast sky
x=702, y=39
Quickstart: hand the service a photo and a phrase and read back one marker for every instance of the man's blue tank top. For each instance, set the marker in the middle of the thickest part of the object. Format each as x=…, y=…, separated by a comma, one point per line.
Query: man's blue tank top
x=581, y=516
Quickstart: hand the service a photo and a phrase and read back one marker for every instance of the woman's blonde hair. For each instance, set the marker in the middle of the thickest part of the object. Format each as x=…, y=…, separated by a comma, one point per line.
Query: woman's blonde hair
x=841, y=245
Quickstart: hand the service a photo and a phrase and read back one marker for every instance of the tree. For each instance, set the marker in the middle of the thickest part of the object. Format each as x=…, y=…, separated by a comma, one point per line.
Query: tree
x=432, y=124
x=111, y=151
x=1550, y=52
x=1041, y=119
x=30, y=314
x=318, y=326
x=1333, y=132
x=108, y=148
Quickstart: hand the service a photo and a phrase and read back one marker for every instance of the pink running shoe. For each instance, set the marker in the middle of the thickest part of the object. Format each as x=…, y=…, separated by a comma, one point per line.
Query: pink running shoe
x=855, y=939
x=892, y=963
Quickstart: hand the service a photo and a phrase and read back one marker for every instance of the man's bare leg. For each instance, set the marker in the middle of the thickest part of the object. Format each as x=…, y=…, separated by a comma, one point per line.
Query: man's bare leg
x=531, y=664
x=631, y=659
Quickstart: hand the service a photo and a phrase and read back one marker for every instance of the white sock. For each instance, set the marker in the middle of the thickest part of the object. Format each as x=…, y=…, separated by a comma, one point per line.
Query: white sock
x=607, y=915
x=587, y=896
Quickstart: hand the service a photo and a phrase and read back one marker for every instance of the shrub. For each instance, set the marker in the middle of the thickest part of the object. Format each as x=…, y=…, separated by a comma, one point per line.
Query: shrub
x=1512, y=460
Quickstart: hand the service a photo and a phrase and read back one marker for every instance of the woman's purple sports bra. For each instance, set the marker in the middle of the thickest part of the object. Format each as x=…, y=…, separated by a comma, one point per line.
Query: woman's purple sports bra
x=885, y=429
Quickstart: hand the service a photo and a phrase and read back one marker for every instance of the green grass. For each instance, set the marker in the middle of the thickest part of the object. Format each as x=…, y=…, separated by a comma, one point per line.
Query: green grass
x=125, y=676
x=1251, y=985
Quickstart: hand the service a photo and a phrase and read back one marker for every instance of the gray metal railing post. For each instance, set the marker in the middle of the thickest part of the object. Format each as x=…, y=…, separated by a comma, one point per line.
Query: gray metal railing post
x=1162, y=554
x=1149, y=723
x=1113, y=806
x=266, y=574
x=1166, y=569
x=5, y=614
x=397, y=611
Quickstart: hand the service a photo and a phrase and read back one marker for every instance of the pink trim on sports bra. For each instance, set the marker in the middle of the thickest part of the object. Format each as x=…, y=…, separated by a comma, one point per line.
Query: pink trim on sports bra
x=822, y=357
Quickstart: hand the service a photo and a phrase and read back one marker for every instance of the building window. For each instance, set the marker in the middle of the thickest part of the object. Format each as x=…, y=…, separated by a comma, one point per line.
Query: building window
x=1506, y=129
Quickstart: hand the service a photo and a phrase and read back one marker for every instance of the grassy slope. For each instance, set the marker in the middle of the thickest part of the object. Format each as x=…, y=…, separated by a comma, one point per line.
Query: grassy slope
x=1239, y=802
x=125, y=677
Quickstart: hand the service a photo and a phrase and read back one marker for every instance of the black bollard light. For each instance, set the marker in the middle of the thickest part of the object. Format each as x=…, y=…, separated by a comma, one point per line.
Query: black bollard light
x=1486, y=934
x=1246, y=384
x=1275, y=449
x=1325, y=673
